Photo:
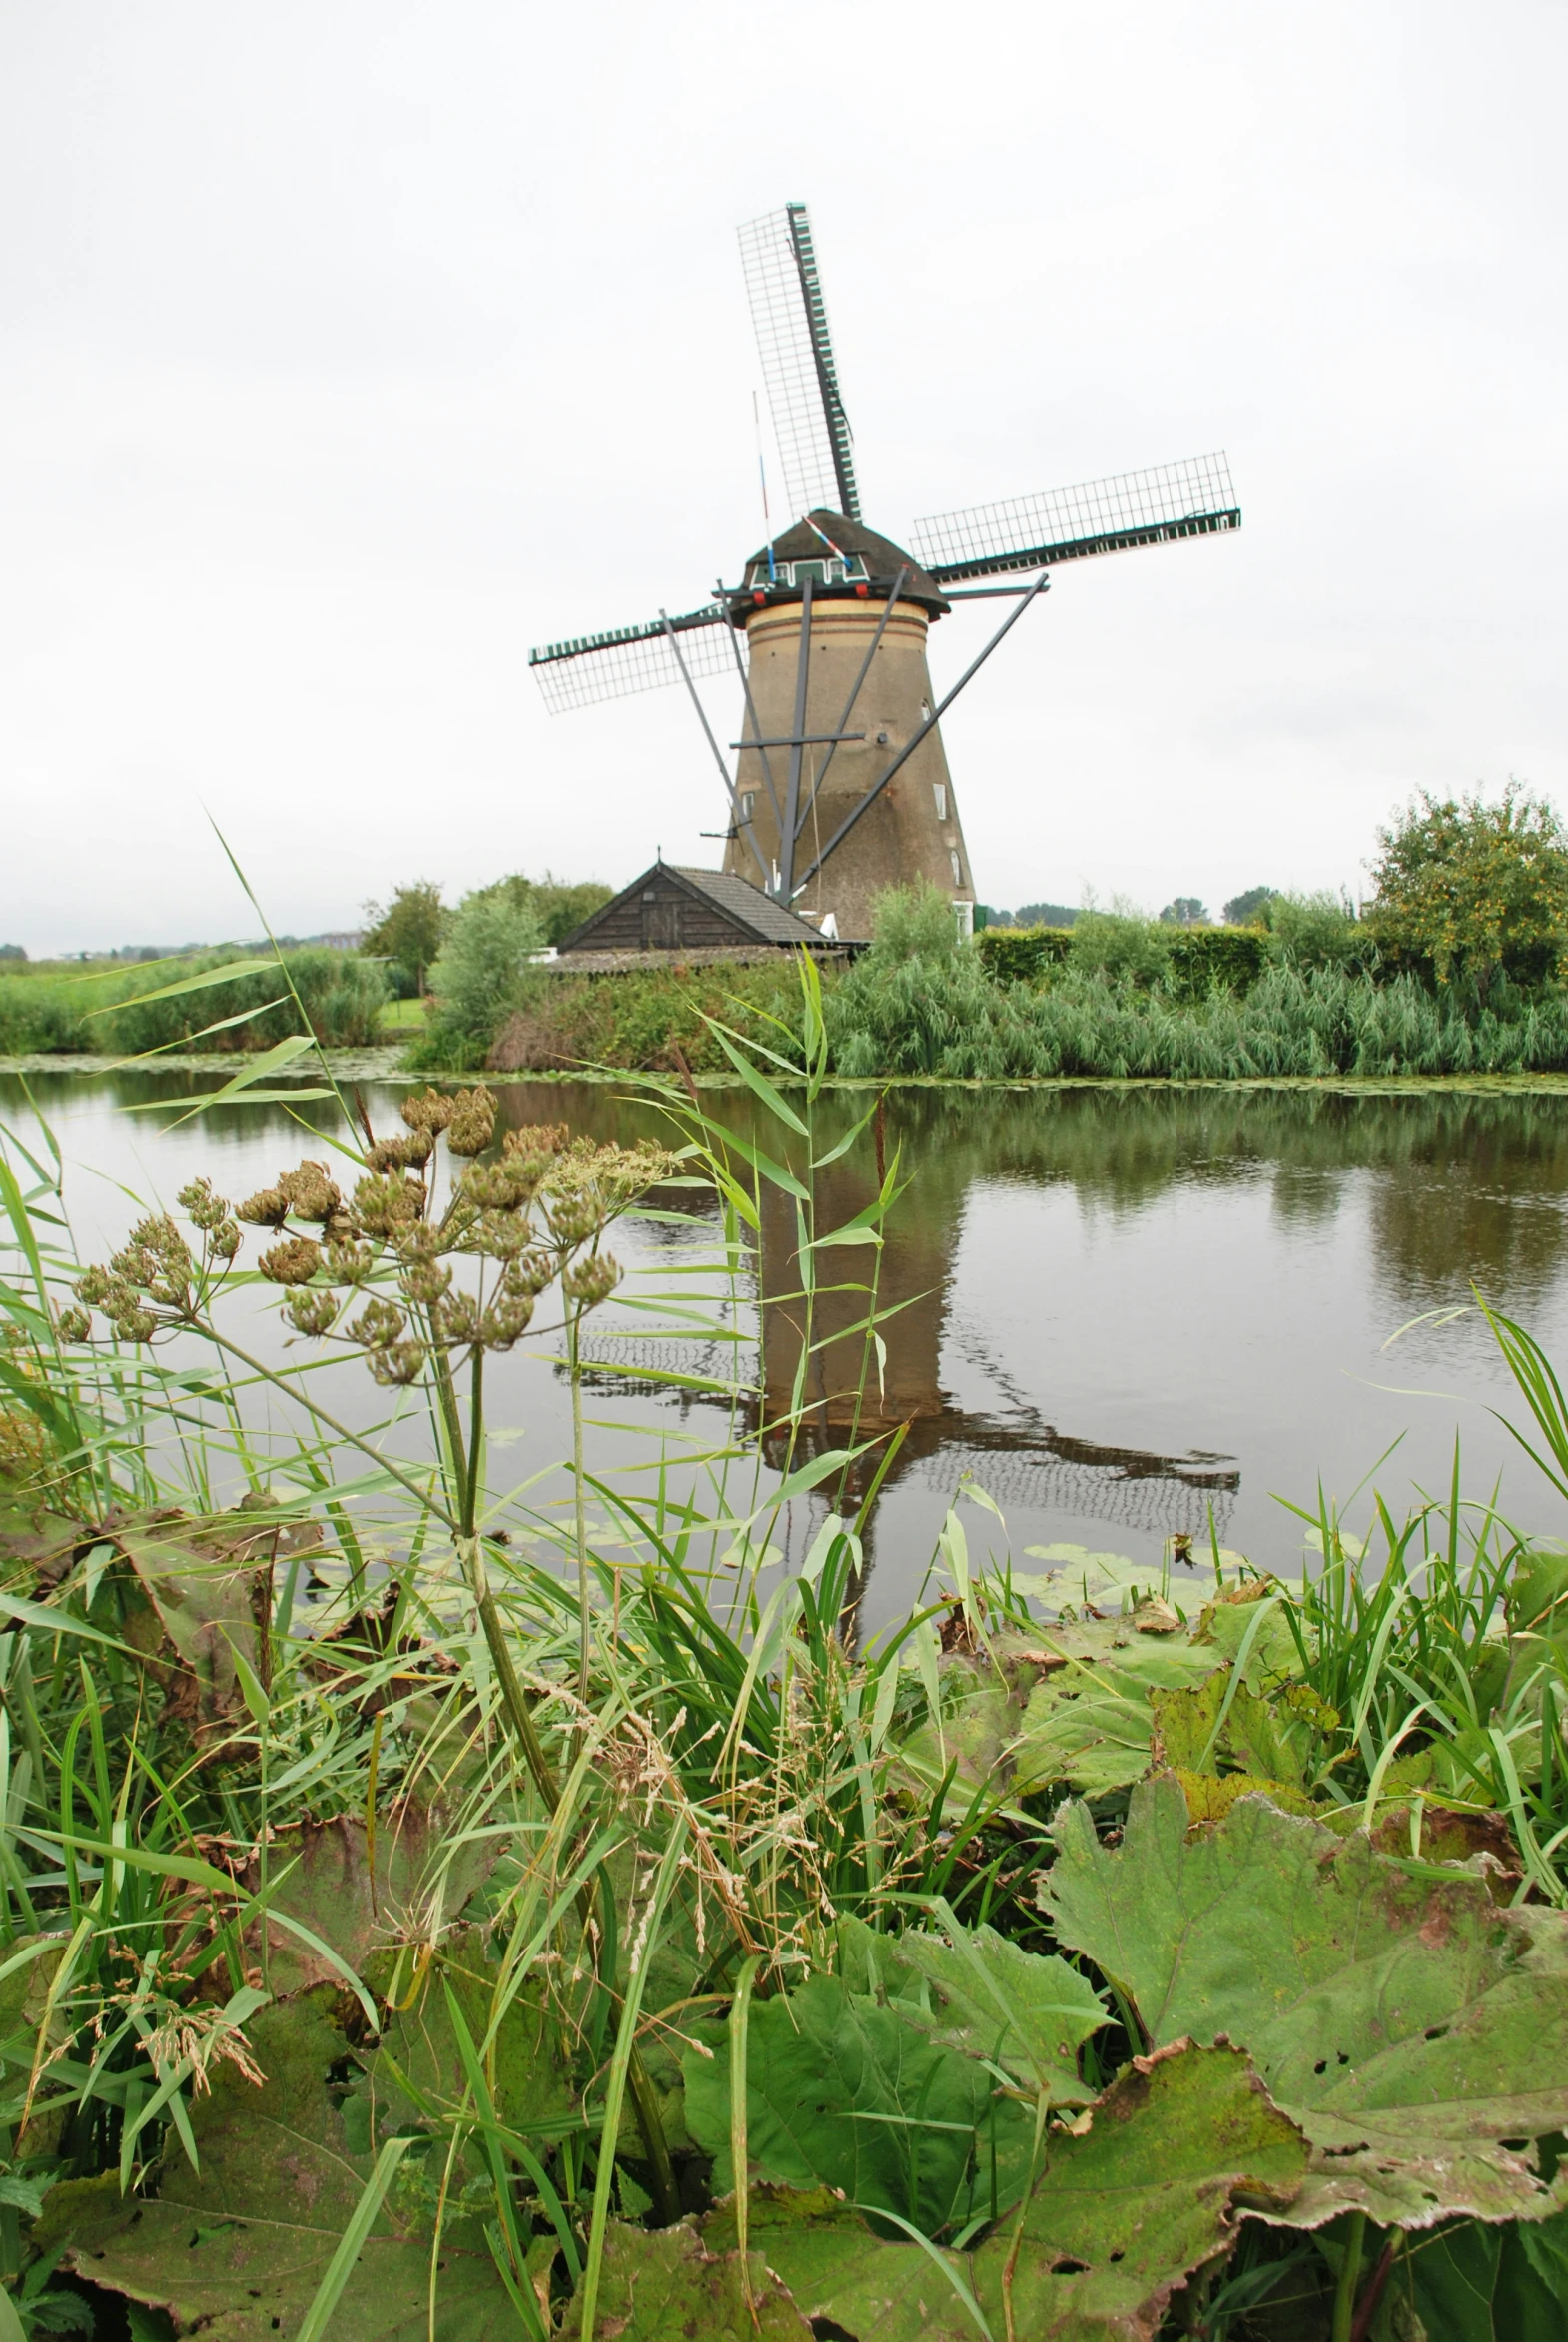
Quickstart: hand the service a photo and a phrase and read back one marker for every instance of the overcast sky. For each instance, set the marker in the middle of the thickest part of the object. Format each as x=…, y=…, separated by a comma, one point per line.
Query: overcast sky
x=349, y=348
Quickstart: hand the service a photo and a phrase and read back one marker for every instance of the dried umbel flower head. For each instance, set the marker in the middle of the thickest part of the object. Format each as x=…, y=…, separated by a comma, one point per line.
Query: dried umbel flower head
x=268, y=1207
x=398, y=1364
x=401, y=1154
x=589, y=1282
x=293, y=1263
x=157, y=1261
x=472, y=1124
x=312, y=1312
x=384, y=1203
x=74, y=1326
x=311, y=1194
x=427, y=1110
x=540, y=1138
x=202, y=1207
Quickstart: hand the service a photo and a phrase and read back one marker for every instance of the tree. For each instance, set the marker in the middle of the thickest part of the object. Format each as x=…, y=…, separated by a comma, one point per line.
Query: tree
x=480, y=975
x=1466, y=890
x=1185, y=911
x=1045, y=915
x=1250, y=908
x=408, y=932
x=559, y=906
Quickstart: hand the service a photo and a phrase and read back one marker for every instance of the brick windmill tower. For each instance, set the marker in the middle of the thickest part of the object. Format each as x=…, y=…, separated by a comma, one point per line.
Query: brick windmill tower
x=842, y=786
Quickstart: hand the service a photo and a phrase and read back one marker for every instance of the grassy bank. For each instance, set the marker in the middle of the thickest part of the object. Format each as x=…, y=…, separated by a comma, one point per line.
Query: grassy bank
x=422, y=1905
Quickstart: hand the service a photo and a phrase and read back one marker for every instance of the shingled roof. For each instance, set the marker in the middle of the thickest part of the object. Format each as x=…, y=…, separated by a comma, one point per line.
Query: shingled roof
x=882, y=556
x=733, y=904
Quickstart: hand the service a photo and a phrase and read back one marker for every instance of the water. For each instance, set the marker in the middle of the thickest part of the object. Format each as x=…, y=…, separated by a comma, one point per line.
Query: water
x=1123, y=1312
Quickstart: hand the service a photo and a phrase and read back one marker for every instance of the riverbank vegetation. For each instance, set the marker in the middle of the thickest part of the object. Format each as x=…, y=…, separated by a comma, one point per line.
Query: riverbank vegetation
x=428, y=1905
x=227, y=1000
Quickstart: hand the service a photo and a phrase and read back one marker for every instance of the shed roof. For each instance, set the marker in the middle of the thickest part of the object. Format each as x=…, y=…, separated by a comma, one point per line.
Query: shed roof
x=755, y=914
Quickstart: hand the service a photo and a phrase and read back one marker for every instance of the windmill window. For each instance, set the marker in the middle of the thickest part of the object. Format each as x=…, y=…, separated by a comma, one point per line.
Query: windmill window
x=958, y=867
x=925, y=711
x=748, y=804
x=939, y=792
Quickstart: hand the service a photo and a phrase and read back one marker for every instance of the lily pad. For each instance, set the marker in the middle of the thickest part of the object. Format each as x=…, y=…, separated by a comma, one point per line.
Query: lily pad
x=1407, y=2022
x=845, y=2094
x=974, y=1991
x=1177, y=2148
x=238, y=2248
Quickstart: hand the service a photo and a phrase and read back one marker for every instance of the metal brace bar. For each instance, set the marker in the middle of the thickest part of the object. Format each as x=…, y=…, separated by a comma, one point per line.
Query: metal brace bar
x=849, y=704
x=929, y=724
x=791, y=829
x=751, y=713
x=729, y=786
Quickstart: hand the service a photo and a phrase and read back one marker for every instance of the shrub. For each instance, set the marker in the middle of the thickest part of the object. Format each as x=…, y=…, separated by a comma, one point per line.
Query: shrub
x=1021, y=955
x=407, y=932
x=1466, y=890
x=913, y=923
x=482, y=976
x=1318, y=931
x=651, y=1019
x=1121, y=942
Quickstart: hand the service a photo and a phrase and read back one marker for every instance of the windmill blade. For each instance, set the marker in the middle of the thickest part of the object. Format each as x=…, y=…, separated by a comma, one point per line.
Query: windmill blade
x=791, y=319
x=1192, y=498
x=592, y=667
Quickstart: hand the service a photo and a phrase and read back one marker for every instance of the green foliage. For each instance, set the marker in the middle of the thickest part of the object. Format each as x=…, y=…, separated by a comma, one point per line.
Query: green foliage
x=1466, y=889
x=1045, y=915
x=1409, y=2024
x=1185, y=911
x=1318, y=931
x=481, y=976
x=1249, y=906
x=12, y=952
x=913, y=922
x=1216, y=959
x=560, y=907
x=1021, y=955
x=653, y=1018
x=407, y=931
x=341, y=996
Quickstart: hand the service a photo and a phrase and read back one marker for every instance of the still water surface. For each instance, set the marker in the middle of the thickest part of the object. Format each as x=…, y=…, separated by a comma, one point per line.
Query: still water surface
x=1122, y=1310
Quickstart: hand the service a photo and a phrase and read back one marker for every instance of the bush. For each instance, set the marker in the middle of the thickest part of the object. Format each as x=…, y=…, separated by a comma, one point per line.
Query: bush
x=1021, y=955
x=1121, y=942
x=407, y=932
x=1318, y=931
x=1217, y=959
x=1468, y=890
x=913, y=923
x=483, y=976
x=651, y=1019
x=560, y=909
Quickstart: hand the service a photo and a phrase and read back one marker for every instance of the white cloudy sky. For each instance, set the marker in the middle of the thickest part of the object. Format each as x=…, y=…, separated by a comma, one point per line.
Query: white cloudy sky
x=347, y=348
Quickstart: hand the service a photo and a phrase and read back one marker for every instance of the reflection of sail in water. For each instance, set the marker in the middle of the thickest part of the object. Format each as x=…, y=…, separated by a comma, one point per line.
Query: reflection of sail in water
x=1019, y=1459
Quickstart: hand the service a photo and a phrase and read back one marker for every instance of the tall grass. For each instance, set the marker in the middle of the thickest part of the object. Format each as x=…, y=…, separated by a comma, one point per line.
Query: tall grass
x=107, y=1011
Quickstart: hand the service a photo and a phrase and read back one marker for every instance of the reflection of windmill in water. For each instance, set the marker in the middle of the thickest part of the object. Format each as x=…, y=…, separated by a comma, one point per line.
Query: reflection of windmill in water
x=842, y=786
x=1018, y=1457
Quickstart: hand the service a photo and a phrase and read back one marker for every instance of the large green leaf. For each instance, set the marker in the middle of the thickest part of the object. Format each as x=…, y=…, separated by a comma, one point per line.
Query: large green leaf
x=417, y=2067
x=972, y=1990
x=1179, y=2145
x=424, y=1872
x=844, y=2093
x=1405, y=2020
x=1088, y=1723
x=1478, y=2283
x=238, y=2248
x=668, y=2288
x=846, y=2279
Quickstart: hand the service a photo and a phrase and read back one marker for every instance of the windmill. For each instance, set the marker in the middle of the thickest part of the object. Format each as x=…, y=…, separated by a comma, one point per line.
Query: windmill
x=841, y=785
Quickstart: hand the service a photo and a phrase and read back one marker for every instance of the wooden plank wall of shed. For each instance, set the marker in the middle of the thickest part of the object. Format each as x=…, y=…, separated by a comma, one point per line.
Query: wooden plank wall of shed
x=700, y=924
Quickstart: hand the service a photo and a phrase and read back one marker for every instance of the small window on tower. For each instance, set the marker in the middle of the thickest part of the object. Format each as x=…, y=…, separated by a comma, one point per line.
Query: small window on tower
x=939, y=792
x=958, y=867
x=748, y=804
x=925, y=711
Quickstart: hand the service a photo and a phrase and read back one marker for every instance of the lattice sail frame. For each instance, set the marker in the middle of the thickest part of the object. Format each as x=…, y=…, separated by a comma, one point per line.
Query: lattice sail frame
x=1171, y=500
x=589, y=668
x=815, y=444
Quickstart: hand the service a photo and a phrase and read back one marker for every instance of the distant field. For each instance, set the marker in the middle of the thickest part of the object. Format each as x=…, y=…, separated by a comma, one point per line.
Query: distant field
x=400, y=1016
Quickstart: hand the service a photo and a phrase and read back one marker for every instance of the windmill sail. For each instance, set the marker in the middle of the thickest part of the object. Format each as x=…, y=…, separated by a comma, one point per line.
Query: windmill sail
x=1192, y=498
x=791, y=319
x=626, y=659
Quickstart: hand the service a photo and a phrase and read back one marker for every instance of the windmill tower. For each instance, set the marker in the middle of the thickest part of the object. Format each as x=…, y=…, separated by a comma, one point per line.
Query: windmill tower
x=842, y=786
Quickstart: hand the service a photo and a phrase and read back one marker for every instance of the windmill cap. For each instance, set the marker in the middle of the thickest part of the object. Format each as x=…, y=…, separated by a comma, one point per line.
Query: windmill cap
x=882, y=559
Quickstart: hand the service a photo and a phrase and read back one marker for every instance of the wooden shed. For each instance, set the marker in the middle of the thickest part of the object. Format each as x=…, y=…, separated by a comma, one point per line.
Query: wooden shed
x=671, y=909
